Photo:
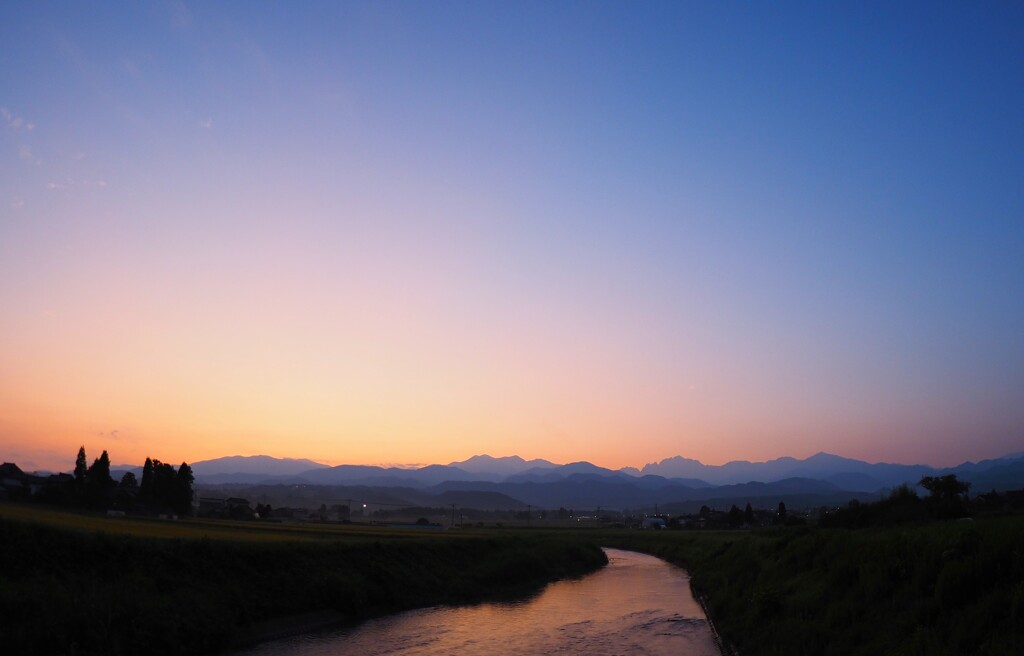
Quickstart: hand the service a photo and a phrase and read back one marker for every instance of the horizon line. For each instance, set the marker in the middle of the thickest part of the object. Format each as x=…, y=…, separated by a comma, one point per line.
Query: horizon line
x=455, y=463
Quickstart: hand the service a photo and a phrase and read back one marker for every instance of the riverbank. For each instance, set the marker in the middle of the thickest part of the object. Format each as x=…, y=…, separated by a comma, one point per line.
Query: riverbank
x=85, y=584
x=724, y=648
x=107, y=592
x=954, y=587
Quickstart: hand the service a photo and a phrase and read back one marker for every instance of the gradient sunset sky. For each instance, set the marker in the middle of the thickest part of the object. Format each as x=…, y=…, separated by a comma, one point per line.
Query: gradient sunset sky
x=410, y=232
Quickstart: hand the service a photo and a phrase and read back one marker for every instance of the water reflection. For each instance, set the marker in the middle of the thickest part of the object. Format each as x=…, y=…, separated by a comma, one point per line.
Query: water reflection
x=638, y=604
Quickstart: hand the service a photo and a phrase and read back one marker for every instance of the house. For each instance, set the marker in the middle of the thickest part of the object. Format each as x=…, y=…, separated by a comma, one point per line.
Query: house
x=656, y=523
x=11, y=476
x=16, y=484
x=212, y=507
x=238, y=508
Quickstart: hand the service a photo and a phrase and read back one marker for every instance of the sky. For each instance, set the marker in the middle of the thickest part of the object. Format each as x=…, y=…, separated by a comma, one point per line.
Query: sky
x=411, y=232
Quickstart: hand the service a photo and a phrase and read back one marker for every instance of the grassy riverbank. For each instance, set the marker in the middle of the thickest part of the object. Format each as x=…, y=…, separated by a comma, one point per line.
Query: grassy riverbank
x=88, y=584
x=83, y=584
x=936, y=588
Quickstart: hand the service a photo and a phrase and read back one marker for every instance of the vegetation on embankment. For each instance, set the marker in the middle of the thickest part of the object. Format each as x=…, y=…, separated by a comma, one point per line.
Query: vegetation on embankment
x=80, y=583
x=100, y=592
x=954, y=587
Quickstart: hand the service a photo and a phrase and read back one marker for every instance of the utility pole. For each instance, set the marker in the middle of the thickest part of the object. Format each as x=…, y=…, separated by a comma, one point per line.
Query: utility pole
x=453, y=516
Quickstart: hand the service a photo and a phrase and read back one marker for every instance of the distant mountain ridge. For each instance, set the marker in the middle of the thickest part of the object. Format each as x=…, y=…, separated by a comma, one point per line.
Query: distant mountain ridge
x=822, y=477
x=257, y=465
x=505, y=466
x=820, y=465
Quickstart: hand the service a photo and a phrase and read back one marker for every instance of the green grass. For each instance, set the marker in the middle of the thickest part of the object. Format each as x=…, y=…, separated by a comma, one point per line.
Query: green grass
x=96, y=584
x=84, y=584
x=215, y=529
x=936, y=588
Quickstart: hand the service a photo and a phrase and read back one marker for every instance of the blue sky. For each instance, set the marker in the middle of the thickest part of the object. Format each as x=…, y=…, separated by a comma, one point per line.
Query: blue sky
x=406, y=232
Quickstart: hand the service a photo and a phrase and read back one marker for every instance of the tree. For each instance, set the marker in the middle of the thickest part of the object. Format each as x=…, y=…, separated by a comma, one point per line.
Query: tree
x=160, y=486
x=146, y=487
x=780, y=516
x=902, y=493
x=81, y=469
x=98, y=481
x=182, y=495
x=98, y=477
x=163, y=482
x=735, y=515
x=126, y=492
x=945, y=488
x=948, y=496
x=748, y=515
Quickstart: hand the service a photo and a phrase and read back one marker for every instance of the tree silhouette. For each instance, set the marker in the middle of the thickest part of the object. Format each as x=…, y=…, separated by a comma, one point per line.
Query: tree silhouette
x=945, y=488
x=748, y=514
x=146, y=487
x=182, y=496
x=780, y=516
x=98, y=475
x=98, y=481
x=164, y=487
x=81, y=468
x=948, y=496
x=735, y=515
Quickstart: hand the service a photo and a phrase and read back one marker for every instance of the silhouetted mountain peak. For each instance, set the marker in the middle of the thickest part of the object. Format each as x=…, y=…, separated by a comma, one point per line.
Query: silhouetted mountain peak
x=260, y=464
x=503, y=466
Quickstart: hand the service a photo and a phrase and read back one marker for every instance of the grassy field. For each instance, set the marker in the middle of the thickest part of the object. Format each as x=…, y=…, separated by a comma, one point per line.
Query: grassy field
x=85, y=584
x=214, y=529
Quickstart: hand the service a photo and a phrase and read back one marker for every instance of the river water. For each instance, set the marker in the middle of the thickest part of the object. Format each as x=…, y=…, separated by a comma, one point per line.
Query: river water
x=638, y=604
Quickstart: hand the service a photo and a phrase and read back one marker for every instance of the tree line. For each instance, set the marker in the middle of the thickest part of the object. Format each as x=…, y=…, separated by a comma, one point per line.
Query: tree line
x=947, y=499
x=162, y=486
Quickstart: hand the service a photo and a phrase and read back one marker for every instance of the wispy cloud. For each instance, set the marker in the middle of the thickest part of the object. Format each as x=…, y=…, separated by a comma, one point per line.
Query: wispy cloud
x=18, y=203
x=206, y=123
x=116, y=435
x=16, y=123
x=25, y=154
x=71, y=182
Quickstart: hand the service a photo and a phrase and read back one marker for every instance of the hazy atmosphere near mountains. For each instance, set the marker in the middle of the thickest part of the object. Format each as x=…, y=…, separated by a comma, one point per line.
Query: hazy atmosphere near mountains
x=378, y=233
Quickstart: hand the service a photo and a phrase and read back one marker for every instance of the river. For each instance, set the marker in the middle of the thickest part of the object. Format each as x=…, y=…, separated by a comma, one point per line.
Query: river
x=638, y=604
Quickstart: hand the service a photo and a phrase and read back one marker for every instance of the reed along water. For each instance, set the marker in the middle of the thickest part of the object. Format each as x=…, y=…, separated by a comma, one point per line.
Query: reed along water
x=637, y=604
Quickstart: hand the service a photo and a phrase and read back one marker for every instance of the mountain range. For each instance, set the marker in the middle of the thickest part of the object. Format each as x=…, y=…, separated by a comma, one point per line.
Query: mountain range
x=675, y=483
